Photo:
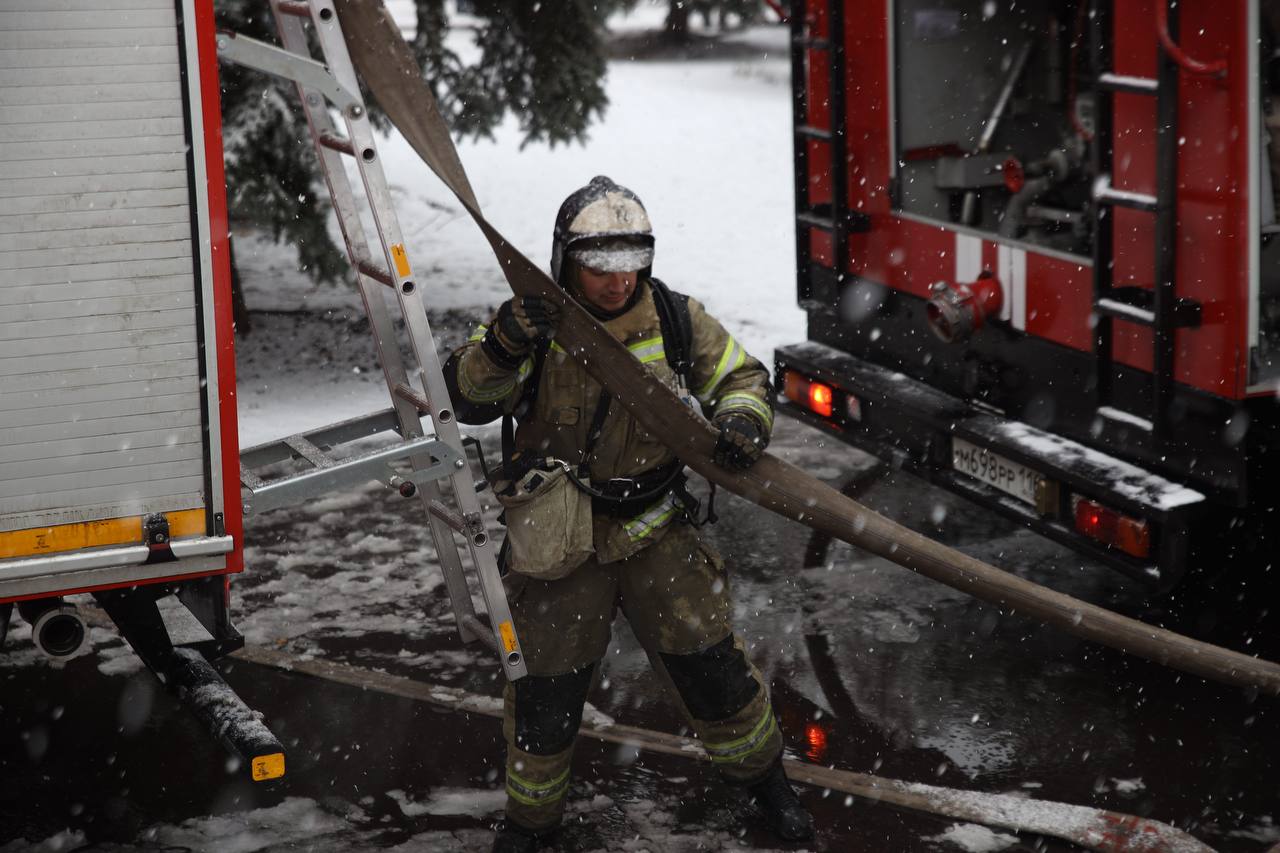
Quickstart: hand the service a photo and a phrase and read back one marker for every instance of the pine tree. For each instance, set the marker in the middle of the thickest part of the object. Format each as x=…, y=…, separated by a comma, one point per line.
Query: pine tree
x=542, y=61
x=678, y=12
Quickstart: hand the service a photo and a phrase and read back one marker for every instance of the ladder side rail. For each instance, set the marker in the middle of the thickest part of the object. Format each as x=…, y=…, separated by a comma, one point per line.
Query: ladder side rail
x=839, y=139
x=357, y=242
x=385, y=341
x=1103, y=216
x=479, y=543
x=799, y=118
x=293, y=36
x=1166, y=234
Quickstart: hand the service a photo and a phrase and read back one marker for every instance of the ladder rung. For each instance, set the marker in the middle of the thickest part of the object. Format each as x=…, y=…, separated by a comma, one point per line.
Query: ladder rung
x=375, y=271
x=1104, y=193
x=808, y=131
x=1137, y=305
x=448, y=516
x=308, y=451
x=816, y=220
x=855, y=221
x=343, y=432
x=1122, y=310
x=404, y=392
x=294, y=7
x=250, y=479
x=1122, y=418
x=482, y=631
x=337, y=143
x=1126, y=83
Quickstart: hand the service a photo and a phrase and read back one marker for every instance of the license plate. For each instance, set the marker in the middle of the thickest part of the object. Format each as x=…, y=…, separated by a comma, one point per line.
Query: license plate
x=994, y=470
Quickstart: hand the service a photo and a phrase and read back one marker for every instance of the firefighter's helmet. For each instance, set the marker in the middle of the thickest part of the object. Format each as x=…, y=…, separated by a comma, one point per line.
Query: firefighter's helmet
x=602, y=226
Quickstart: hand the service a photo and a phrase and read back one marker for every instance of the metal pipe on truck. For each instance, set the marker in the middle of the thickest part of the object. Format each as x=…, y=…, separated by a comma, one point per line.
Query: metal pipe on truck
x=57, y=628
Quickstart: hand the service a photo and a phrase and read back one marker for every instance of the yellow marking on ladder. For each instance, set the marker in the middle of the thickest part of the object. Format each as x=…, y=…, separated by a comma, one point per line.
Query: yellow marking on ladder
x=508, y=636
x=94, y=534
x=266, y=767
x=401, y=258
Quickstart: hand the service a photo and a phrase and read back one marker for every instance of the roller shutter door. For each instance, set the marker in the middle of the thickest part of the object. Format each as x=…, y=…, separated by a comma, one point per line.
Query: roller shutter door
x=100, y=371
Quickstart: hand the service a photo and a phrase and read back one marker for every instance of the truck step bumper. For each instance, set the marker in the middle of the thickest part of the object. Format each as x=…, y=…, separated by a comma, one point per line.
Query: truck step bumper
x=1131, y=518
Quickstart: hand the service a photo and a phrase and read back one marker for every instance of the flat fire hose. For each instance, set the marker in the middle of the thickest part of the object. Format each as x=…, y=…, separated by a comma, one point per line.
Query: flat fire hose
x=1090, y=828
x=388, y=68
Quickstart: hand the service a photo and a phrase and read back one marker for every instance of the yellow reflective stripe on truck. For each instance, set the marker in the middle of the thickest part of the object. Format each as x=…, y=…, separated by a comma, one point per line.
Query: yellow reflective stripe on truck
x=94, y=534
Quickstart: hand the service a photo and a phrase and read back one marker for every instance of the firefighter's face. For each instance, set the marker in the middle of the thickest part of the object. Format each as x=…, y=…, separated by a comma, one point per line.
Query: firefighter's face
x=608, y=291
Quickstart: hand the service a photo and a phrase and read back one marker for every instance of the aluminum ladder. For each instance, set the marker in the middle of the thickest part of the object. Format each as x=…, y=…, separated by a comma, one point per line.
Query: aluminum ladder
x=325, y=83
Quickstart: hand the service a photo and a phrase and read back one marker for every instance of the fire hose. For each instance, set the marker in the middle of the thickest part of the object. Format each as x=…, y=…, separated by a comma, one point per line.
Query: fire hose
x=1091, y=828
x=388, y=68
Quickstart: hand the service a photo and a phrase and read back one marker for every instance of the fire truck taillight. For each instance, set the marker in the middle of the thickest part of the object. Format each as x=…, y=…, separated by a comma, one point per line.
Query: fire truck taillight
x=1130, y=535
x=820, y=397
x=814, y=396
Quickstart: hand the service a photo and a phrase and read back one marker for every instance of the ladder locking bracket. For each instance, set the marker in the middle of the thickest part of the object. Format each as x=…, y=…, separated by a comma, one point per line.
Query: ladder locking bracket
x=351, y=472
x=304, y=71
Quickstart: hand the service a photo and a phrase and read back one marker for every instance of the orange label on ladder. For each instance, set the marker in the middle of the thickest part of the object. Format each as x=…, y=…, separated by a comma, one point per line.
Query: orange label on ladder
x=508, y=636
x=401, y=258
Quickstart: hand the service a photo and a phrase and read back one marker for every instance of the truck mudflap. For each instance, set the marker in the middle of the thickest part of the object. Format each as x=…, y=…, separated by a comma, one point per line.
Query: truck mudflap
x=1126, y=516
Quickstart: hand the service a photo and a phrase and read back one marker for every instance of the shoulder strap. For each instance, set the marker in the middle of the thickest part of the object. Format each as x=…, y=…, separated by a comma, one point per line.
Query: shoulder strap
x=525, y=404
x=677, y=327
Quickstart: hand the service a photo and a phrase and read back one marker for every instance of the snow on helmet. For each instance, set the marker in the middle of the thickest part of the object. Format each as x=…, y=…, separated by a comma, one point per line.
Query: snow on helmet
x=602, y=226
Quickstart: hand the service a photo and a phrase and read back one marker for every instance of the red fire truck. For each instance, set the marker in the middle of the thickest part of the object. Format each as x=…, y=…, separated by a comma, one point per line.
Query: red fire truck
x=1034, y=246
x=119, y=460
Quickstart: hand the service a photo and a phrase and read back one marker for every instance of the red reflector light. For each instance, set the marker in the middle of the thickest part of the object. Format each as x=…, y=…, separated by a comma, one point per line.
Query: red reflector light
x=796, y=387
x=812, y=395
x=1130, y=535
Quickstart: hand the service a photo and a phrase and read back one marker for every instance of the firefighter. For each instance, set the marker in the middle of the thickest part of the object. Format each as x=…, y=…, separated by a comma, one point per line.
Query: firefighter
x=648, y=557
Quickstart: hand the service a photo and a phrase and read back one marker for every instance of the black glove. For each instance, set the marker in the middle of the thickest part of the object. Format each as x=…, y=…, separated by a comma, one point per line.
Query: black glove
x=741, y=443
x=524, y=319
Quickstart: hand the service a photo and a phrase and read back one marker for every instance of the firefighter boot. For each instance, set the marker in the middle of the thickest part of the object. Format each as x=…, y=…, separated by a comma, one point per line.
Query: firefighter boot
x=513, y=838
x=785, y=814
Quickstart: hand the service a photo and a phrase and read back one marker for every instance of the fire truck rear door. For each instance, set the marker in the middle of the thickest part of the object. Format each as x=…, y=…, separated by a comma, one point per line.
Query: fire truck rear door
x=108, y=398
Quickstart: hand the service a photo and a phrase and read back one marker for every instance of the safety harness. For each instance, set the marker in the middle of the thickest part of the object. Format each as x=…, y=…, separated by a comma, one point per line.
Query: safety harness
x=626, y=496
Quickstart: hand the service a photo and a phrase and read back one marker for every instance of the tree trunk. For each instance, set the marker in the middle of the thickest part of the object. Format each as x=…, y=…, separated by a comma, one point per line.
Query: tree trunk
x=678, y=18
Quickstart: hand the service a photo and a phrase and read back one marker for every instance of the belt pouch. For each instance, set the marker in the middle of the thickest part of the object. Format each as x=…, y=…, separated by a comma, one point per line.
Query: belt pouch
x=548, y=522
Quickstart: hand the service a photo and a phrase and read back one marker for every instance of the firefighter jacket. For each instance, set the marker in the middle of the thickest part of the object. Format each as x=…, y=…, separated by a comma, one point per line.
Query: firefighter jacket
x=723, y=378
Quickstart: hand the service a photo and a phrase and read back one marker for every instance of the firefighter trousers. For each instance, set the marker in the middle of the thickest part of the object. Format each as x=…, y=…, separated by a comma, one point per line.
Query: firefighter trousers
x=675, y=596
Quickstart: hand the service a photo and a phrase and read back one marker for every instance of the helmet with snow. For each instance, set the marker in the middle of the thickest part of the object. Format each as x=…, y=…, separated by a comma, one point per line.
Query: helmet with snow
x=602, y=227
